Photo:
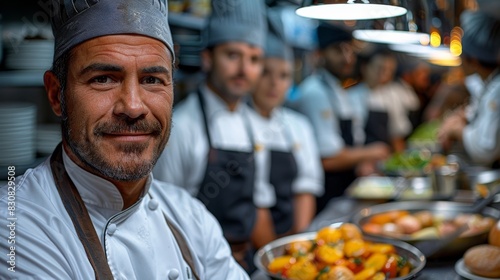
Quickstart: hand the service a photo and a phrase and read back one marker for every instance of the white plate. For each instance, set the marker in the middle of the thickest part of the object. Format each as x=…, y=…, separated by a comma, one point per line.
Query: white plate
x=462, y=270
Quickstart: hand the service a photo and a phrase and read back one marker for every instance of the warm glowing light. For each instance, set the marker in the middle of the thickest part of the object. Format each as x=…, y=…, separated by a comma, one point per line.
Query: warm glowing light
x=435, y=39
x=436, y=55
x=456, y=47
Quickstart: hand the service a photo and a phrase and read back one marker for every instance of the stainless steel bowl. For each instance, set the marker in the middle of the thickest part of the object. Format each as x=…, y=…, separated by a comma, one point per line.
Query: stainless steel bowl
x=277, y=248
x=445, y=209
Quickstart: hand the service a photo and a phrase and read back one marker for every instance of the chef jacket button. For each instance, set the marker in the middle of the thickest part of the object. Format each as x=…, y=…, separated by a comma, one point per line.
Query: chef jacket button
x=153, y=204
x=111, y=229
x=173, y=274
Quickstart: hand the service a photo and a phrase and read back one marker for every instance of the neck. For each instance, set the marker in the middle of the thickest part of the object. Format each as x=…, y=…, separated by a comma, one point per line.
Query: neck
x=130, y=190
x=489, y=74
x=263, y=111
x=232, y=102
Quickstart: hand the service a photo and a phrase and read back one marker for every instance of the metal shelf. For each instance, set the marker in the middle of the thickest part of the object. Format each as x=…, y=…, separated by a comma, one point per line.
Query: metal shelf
x=186, y=21
x=21, y=78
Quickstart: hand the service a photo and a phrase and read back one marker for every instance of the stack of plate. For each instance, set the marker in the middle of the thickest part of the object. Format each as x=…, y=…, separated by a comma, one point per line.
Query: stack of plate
x=17, y=133
x=47, y=138
x=29, y=55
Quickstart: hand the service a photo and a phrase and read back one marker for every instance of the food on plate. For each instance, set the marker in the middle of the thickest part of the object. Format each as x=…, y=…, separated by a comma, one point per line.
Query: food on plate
x=424, y=224
x=372, y=187
x=483, y=260
x=494, y=234
x=413, y=162
x=340, y=253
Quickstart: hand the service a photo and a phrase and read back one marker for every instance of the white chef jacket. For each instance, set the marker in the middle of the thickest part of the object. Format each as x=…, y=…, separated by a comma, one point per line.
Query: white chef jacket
x=137, y=241
x=474, y=84
x=184, y=160
x=285, y=131
x=391, y=98
x=481, y=137
x=323, y=106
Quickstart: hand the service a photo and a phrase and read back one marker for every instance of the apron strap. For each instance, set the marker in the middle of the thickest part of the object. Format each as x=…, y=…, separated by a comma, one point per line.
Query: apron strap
x=80, y=217
x=181, y=241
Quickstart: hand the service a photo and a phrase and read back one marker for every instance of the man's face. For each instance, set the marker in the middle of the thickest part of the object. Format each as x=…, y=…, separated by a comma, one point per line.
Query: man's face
x=273, y=85
x=233, y=69
x=117, y=105
x=339, y=59
x=380, y=70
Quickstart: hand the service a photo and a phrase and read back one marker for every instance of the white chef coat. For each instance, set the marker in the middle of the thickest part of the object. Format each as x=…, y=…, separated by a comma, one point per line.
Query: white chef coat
x=184, y=160
x=137, y=241
x=323, y=106
x=474, y=84
x=391, y=98
x=286, y=131
x=481, y=137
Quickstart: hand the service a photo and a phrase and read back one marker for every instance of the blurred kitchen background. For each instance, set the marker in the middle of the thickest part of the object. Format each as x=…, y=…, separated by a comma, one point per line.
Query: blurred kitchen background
x=29, y=130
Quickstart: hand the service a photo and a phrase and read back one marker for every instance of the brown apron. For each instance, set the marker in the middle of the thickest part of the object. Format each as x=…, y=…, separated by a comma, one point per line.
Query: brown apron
x=83, y=224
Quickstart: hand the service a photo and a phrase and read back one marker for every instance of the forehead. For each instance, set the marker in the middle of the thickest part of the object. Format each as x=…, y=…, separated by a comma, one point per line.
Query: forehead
x=117, y=47
x=239, y=46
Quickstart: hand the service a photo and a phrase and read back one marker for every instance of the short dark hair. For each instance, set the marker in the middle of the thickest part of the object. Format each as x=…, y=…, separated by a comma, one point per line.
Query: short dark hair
x=60, y=69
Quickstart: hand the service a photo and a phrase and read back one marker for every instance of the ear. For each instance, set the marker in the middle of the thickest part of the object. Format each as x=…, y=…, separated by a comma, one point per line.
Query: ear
x=318, y=58
x=206, y=60
x=53, y=89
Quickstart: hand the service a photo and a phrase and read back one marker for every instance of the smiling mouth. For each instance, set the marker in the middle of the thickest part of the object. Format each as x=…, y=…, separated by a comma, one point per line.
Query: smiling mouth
x=129, y=137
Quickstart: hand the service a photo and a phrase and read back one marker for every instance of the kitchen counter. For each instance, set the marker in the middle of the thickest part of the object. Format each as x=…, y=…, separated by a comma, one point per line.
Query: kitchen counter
x=341, y=209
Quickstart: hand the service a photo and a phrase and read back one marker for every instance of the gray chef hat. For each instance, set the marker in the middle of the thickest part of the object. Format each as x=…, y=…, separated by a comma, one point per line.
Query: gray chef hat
x=276, y=45
x=76, y=21
x=236, y=20
x=481, y=38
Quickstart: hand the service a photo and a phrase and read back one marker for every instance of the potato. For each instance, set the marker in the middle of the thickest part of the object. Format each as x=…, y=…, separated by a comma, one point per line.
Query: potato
x=425, y=218
x=328, y=235
x=408, y=224
x=338, y=273
x=426, y=233
x=391, y=229
x=350, y=231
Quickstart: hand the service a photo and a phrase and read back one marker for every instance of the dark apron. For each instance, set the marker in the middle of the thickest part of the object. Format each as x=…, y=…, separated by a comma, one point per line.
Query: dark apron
x=415, y=117
x=77, y=211
x=283, y=173
x=336, y=182
x=227, y=191
x=377, y=127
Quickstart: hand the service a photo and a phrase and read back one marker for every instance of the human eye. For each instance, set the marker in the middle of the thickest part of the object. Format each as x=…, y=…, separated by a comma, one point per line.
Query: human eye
x=233, y=55
x=101, y=80
x=152, y=80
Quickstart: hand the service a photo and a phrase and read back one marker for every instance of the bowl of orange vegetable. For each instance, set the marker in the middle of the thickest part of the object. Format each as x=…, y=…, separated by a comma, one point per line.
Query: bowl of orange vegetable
x=339, y=251
x=416, y=221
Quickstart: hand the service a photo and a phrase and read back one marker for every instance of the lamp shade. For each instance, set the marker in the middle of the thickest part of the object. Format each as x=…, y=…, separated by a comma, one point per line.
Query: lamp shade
x=349, y=9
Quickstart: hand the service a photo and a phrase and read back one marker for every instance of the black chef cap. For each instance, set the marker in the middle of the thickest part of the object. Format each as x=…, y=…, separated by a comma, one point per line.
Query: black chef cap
x=331, y=34
x=481, y=38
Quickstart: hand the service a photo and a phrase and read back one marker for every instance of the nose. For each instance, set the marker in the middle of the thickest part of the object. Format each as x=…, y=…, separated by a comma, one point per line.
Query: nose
x=130, y=102
x=347, y=52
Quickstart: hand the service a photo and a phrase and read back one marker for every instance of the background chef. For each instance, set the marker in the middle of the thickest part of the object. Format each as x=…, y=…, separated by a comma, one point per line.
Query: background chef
x=211, y=149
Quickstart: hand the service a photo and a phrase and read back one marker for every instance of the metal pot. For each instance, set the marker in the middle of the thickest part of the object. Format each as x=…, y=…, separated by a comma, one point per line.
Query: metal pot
x=445, y=181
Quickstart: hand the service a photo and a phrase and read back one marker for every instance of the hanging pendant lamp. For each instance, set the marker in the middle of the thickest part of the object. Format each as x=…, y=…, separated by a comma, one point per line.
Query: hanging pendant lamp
x=349, y=9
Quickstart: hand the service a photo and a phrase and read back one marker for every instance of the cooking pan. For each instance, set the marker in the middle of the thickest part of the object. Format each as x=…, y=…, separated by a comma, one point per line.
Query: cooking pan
x=445, y=209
